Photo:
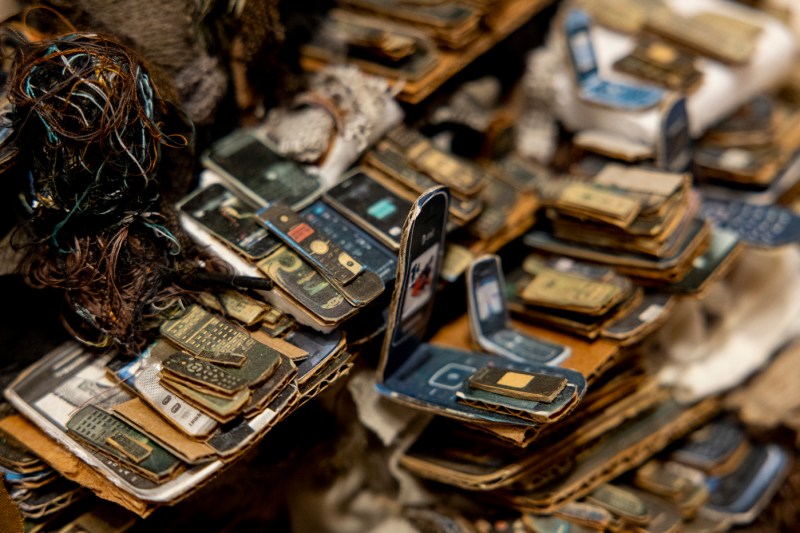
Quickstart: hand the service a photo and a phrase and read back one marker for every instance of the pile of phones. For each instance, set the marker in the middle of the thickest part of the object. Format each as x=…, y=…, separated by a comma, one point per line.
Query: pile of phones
x=37, y=489
x=468, y=386
x=642, y=222
x=583, y=299
x=325, y=262
x=155, y=428
x=751, y=150
x=486, y=201
x=715, y=479
x=46, y=500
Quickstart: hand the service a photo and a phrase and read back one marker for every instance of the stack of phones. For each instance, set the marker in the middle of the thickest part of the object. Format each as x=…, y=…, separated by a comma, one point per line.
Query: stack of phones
x=227, y=373
x=324, y=266
x=38, y=491
x=626, y=209
x=662, y=63
x=624, y=16
x=714, y=480
x=525, y=175
x=220, y=369
x=728, y=39
x=485, y=202
x=569, y=473
x=568, y=466
x=472, y=388
x=377, y=46
x=750, y=149
x=452, y=24
x=587, y=300
x=642, y=222
x=71, y=395
x=414, y=45
x=741, y=475
x=409, y=163
x=218, y=216
x=510, y=201
x=504, y=208
x=611, y=507
x=46, y=500
x=472, y=458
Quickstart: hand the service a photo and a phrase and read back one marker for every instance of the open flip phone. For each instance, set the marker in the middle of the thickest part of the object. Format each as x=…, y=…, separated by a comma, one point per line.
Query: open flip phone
x=489, y=318
x=591, y=87
x=437, y=379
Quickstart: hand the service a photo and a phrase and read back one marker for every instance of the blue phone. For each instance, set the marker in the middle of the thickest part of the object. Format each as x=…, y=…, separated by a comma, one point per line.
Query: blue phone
x=489, y=318
x=593, y=88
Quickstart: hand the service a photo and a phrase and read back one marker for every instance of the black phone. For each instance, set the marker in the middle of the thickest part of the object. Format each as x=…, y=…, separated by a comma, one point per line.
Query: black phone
x=372, y=206
x=250, y=164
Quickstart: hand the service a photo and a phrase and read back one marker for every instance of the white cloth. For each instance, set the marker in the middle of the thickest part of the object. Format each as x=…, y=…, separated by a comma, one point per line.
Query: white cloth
x=715, y=344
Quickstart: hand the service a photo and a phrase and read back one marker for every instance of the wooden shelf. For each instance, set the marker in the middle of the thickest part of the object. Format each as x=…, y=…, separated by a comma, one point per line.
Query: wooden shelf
x=508, y=18
x=511, y=16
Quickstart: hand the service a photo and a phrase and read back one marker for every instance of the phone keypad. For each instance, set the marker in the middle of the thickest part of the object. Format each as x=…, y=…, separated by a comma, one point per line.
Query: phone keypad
x=199, y=371
x=711, y=446
x=199, y=331
x=353, y=240
x=728, y=489
x=755, y=224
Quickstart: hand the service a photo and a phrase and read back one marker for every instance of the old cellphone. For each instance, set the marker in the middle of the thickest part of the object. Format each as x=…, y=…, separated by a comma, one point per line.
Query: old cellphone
x=353, y=280
x=766, y=226
x=489, y=318
x=249, y=163
x=591, y=86
x=372, y=206
x=357, y=242
x=220, y=211
x=198, y=330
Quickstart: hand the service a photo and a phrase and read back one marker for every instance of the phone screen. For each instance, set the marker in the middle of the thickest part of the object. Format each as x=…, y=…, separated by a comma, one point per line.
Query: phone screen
x=368, y=200
x=490, y=305
x=413, y=301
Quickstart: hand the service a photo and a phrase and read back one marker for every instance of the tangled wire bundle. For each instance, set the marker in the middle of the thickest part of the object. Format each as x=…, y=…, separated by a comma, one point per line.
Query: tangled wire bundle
x=90, y=130
x=87, y=110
